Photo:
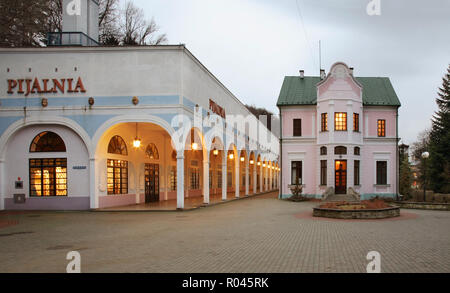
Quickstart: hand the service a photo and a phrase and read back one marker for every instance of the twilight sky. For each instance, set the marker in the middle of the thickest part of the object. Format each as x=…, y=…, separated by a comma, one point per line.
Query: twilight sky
x=250, y=45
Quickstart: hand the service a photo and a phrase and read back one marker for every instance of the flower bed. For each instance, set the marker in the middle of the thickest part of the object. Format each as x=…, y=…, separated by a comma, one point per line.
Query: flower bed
x=367, y=209
x=363, y=205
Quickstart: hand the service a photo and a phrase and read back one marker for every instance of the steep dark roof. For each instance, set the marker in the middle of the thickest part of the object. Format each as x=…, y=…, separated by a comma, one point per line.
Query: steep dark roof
x=377, y=91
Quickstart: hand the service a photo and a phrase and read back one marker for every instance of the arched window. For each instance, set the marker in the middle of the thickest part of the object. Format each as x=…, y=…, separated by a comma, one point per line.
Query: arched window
x=323, y=151
x=357, y=151
x=340, y=150
x=152, y=152
x=47, y=141
x=117, y=146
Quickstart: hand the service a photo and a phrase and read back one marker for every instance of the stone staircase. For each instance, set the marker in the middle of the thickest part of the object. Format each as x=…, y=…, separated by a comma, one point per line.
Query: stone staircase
x=351, y=196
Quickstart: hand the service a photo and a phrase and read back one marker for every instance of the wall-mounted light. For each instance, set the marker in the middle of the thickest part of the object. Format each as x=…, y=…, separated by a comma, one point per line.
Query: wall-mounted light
x=231, y=156
x=259, y=163
x=194, y=146
x=215, y=152
x=252, y=162
x=242, y=159
x=264, y=165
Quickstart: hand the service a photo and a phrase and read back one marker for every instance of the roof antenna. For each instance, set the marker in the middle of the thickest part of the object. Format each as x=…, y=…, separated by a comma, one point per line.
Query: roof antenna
x=320, y=55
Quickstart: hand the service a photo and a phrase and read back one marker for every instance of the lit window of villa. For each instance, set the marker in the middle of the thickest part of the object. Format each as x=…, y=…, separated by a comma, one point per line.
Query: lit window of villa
x=340, y=121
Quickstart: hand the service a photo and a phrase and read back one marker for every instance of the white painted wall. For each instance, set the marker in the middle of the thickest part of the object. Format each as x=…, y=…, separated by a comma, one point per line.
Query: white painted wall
x=18, y=155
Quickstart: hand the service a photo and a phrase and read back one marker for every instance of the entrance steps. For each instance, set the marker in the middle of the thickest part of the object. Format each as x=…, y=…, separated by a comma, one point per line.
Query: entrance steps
x=341, y=197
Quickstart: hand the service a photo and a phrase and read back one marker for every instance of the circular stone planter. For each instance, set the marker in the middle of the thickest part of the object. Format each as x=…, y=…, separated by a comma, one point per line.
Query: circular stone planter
x=384, y=213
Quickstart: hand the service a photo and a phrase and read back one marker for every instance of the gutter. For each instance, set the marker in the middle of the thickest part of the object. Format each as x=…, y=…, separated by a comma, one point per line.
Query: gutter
x=281, y=155
x=397, y=187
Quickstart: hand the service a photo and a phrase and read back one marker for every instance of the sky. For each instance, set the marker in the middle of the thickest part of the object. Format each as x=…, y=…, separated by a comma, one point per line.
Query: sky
x=250, y=45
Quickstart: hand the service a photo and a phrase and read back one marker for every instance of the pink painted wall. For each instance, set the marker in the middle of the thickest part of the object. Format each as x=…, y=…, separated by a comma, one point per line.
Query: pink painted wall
x=373, y=116
x=308, y=165
x=304, y=114
x=370, y=154
x=116, y=200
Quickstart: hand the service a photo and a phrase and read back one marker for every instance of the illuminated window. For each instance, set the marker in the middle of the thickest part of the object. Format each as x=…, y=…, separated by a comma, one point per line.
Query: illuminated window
x=152, y=152
x=340, y=121
x=48, y=177
x=356, y=122
x=47, y=142
x=219, y=179
x=117, y=177
x=173, y=178
x=324, y=122
x=117, y=146
x=195, y=178
x=381, y=128
x=323, y=151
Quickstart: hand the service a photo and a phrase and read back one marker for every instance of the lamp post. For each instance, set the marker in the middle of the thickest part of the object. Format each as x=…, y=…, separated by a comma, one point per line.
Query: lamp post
x=425, y=156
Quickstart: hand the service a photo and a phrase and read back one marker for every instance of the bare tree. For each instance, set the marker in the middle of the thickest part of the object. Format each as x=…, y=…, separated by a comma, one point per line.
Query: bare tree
x=109, y=33
x=23, y=23
x=136, y=30
x=26, y=23
x=54, y=18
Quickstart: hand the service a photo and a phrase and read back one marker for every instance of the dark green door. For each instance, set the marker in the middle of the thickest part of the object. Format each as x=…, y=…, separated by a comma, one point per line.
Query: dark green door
x=151, y=183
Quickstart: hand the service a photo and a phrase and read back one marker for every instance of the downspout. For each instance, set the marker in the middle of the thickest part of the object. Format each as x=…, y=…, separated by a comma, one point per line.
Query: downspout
x=397, y=159
x=280, y=196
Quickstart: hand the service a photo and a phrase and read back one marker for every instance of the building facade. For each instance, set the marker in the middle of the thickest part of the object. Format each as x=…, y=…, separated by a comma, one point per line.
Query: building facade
x=96, y=127
x=339, y=134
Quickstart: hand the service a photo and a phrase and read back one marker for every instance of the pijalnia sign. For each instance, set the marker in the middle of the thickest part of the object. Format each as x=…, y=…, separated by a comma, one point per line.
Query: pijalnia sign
x=43, y=86
x=216, y=109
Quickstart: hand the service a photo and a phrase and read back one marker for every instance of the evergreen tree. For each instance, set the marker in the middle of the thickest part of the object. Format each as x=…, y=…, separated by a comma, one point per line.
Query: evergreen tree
x=405, y=172
x=440, y=140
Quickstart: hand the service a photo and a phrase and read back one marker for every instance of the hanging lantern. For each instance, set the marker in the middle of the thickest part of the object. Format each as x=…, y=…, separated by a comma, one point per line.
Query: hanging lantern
x=137, y=141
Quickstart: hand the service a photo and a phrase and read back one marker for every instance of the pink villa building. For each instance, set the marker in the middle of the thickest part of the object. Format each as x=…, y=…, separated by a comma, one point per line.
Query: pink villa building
x=339, y=134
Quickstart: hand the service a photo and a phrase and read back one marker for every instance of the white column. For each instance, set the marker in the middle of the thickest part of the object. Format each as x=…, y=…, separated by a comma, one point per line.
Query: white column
x=255, y=178
x=166, y=169
x=2, y=185
x=206, y=179
x=224, y=176
x=237, y=175
x=270, y=178
x=266, y=176
x=93, y=190
x=180, y=181
x=261, y=178
x=246, y=176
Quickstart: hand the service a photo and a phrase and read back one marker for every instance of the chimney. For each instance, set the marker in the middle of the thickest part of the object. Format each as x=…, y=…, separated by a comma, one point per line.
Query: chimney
x=302, y=74
x=351, y=71
x=79, y=24
x=322, y=74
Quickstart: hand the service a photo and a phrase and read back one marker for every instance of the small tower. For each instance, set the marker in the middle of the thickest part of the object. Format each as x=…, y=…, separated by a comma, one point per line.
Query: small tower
x=79, y=24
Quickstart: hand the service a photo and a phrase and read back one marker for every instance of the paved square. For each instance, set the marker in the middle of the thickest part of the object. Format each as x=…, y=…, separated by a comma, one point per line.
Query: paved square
x=260, y=234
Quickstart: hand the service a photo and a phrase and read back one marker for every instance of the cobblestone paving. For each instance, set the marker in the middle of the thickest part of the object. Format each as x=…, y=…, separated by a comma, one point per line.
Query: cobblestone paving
x=260, y=234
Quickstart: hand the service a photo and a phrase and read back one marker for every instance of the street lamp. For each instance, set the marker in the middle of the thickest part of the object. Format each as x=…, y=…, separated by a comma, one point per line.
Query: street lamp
x=425, y=156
